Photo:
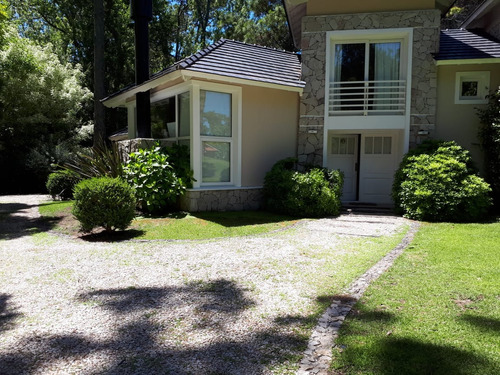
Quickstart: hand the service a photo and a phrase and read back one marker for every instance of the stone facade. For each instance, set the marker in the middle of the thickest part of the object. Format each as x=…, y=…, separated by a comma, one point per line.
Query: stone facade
x=426, y=28
x=237, y=199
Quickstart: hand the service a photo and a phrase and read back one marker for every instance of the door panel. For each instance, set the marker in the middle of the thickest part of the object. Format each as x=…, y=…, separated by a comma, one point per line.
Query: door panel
x=343, y=155
x=378, y=162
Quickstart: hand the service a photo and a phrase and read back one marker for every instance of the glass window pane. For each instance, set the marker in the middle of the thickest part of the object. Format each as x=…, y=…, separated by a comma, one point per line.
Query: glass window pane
x=163, y=119
x=469, y=89
x=343, y=146
x=369, y=145
x=185, y=142
x=215, y=113
x=377, y=145
x=216, y=161
x=387, y=145
x=349, y=64
x=384, y=61
x=184, y=111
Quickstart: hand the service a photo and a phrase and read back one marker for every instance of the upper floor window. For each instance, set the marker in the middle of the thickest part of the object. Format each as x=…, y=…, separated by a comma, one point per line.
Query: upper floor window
x=368, y=72
x=472, y=87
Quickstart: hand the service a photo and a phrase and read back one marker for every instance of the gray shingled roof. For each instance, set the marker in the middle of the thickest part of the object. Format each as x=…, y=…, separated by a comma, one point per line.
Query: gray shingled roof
x=234, y=59
x=459, y=44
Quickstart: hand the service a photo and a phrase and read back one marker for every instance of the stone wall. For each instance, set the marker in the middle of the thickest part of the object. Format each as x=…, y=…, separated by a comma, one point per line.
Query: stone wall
x=426, y=27
x=237, y=199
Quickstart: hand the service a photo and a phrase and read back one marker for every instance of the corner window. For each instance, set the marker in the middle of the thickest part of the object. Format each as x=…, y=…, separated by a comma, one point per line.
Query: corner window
x=472, y=87
x=216, y=132
x=171, y=118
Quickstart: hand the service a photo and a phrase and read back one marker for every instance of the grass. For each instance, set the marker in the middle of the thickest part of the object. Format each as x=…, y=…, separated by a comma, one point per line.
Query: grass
x=437, y=311
x=183, y=226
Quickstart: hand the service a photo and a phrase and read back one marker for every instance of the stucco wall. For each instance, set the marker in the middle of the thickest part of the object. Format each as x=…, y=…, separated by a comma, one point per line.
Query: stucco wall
x=322, y=7
x=425, y=24
x=460, y=122
x=269, y=131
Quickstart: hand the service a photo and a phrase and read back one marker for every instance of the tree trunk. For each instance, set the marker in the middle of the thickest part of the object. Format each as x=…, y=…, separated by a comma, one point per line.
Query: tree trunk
x=99, y=88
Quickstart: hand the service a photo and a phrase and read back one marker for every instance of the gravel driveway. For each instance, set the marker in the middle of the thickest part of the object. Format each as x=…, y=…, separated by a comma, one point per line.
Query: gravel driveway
x=226, y=306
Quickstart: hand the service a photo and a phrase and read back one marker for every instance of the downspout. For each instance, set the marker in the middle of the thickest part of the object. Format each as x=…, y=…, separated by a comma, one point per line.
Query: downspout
x=141, y=12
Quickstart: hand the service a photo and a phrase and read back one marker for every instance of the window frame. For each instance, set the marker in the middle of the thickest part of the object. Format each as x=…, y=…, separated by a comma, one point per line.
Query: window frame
x=234, y=141
x=483, y=87
x=402, y=35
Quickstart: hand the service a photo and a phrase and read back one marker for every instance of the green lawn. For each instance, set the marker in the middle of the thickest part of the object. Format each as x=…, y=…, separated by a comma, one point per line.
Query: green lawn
x=437, y=311
x=183, y=226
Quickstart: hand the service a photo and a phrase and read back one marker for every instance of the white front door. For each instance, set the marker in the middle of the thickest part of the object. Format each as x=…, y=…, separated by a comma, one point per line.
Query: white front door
x=379, y=158
x=343, y=155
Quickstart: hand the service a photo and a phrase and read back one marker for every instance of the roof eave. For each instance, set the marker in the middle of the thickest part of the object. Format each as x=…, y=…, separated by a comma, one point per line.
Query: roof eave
x=491, y=60
x=120, y=100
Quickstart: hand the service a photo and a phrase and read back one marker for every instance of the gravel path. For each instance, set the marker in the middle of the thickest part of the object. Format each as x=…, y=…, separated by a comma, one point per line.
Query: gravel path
x=226, y=306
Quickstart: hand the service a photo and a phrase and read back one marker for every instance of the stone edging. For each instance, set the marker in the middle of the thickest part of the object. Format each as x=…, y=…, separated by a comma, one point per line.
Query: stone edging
x=318, y=355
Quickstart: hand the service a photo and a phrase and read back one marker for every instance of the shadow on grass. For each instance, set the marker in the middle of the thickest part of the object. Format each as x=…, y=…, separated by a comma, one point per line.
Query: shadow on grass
x=146, y=331
x=392, y=355
x=14, y=225
x=116, y=236
x=485, y=324
x=242, y=218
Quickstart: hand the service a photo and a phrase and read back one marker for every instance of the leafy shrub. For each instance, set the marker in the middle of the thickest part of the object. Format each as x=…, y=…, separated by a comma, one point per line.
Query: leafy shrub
x=61, y=183
x=104, y=202
x=314, y=192
x=438, y=184
x=152, y=175
x=490, y=141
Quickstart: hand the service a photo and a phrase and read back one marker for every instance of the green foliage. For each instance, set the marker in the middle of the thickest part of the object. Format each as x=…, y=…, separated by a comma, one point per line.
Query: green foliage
x=490, y=142
x=152, y=174
x=98, y=161
x=40, y=103
x=60, y=184
x=313, y=193
x=436, y=183
x=104, y=202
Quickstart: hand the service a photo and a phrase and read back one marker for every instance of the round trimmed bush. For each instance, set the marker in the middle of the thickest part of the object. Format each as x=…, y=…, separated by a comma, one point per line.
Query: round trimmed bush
x=311, y=193
x=104, y=202
x=440, y=185
x=61, y=183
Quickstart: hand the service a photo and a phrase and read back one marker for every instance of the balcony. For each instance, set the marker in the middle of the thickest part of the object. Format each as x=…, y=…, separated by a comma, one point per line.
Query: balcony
x=367, y=98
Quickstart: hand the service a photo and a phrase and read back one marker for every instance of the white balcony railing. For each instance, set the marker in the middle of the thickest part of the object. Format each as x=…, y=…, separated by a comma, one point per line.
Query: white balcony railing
x=363, y=98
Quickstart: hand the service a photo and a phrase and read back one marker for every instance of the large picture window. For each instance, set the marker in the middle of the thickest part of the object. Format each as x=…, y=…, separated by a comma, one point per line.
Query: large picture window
x=216, y=130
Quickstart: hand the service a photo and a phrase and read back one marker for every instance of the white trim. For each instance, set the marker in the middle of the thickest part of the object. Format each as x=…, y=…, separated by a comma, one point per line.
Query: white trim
x=492, y=60
x=483, y=86
x=195, y=135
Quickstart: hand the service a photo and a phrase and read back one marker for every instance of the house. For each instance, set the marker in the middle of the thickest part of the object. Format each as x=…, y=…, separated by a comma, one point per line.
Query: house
x=373, y=80
x=381, y=76
x=235, y=106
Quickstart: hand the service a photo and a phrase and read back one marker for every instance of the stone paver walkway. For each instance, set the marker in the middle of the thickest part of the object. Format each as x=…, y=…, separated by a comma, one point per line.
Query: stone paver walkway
x=318, y=356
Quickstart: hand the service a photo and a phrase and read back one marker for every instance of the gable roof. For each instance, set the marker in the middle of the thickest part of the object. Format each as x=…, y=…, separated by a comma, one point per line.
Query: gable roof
x=237, y=60
x=459, y=44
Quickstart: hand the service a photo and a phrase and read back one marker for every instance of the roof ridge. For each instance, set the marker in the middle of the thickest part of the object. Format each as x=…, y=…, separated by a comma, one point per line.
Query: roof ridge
x=260, y=46
x=192, y=59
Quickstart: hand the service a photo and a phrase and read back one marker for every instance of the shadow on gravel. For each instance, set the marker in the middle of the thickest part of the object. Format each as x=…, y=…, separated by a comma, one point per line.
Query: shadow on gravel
x=147, y=342
x=13, y=225
x=7, y=313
